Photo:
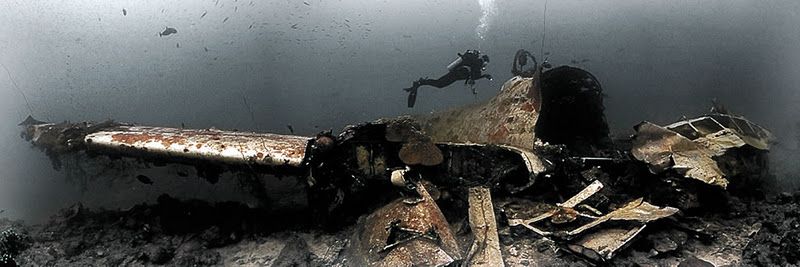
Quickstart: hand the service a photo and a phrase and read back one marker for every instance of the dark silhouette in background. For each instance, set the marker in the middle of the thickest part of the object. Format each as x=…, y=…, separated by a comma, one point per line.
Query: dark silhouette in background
x=468, y=67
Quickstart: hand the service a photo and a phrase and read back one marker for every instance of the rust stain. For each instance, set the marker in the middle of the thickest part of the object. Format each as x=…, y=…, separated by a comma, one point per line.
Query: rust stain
x=528, y=106
x=130, y=139
x=499, y=135
x=264, y=146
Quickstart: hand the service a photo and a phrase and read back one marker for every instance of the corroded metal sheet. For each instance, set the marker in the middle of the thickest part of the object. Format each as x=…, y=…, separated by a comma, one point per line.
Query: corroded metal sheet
x=664, y=149
x=602, y=245
x=584, y=194
x=485, y=250
x=215, y=145
x=636, y=210
x=404, y=233
x=507, y=119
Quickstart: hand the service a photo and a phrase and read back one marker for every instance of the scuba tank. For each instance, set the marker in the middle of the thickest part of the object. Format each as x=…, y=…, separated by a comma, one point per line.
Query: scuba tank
x=455, y=64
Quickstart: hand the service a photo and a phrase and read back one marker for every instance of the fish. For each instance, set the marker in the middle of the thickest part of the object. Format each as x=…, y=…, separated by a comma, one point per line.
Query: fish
x=226, y=19
x=177, y=45
x=204, y=14
x=124, y=12
x=294, y=26
x=183, y=173
x=291, y=129
x=168, y=31
x=306, y=3
x=205, y=48
x=144, y=179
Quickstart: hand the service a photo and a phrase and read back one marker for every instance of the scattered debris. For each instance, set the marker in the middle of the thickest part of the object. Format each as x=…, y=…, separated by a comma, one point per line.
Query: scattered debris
x=399, y=233
x=539, y=155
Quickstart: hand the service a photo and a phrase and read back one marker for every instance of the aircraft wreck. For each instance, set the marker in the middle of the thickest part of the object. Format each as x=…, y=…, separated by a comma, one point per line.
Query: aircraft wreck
x=536, y=162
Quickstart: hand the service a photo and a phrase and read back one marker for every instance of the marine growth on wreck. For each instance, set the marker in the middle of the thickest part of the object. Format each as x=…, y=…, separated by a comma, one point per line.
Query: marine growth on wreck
x=526, y=167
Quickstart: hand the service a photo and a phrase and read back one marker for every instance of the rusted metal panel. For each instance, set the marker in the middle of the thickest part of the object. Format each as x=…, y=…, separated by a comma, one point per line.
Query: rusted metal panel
x=602, y=245
x=636, y=210
x=709, y=125
x=664, y=149
x=407, y=233
x=507, y=119
x=215, y=145
x=597, y=245
x=485, y=250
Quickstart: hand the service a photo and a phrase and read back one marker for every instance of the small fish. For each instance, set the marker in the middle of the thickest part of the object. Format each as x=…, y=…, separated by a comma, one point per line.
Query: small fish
x=124, y=12
x=177, y=45
x=183, y=173
x=144, y=179
x=168, y=31
x=306, y=3
x=204, y=14
x=226, y=19
x=291, y=129
x=183, y=125
x=205, y=48
x=294, y=26
x=406, y=36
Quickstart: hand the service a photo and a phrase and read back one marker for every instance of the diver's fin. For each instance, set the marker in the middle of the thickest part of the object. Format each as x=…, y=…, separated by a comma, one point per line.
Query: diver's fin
x=412, y=96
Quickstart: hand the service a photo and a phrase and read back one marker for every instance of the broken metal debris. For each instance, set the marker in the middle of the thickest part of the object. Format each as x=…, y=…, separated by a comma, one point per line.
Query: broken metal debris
x=698, y=148
x=603, y=244
x=485, y=250
x=399, y=234
x=412, y=175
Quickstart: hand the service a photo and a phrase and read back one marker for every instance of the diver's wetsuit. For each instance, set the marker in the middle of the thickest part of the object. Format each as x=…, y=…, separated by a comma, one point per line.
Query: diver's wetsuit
x=469, y=69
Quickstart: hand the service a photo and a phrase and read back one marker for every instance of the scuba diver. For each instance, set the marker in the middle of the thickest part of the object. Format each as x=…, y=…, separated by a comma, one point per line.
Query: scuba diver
x=521, y=60
x=468, y=67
